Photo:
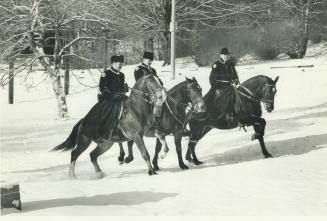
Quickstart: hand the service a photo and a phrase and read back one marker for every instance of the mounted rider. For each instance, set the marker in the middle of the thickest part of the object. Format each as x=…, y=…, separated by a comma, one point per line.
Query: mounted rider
x=145, y=69
x=222, y=78
x=102, y=119
x=112, y=81
x=223, y=72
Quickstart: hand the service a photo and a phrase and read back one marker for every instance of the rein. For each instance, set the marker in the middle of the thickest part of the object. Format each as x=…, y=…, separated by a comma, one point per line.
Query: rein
x=253, y=97
x=144, y=95
x=179, y=105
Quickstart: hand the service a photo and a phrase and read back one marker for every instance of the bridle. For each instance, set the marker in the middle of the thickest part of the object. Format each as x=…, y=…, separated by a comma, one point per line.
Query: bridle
x=264, y=93
x=194, y=101
x=148, y=97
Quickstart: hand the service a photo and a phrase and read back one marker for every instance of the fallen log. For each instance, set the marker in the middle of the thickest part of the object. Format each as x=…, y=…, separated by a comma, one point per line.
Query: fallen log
x=296, y=66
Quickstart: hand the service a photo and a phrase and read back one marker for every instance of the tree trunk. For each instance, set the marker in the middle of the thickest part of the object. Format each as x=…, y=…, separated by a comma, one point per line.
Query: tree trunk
x=11, y=81
x=166, y=48
x=106, y=52
x=159, y=49
x=54, y=73
x=148, y=45
x=304, y=40
x=57, y=84
x=59, y=92
x=67, y=80
x=300, y=48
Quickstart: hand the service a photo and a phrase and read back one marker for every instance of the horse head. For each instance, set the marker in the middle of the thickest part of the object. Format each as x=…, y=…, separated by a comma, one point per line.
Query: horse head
x=268, y=93
x=150, y=88
x=261, y=88
x=195, y=95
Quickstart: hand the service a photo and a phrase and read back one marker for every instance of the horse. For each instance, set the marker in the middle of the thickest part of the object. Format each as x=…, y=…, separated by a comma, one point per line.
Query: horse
x=173, y=119
x=135, y=121
x=248, y=96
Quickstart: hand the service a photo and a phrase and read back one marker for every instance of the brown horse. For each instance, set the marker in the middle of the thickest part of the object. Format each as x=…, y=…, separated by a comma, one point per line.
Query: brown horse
x=135, y=121
x=248, y=97
x=173, y=119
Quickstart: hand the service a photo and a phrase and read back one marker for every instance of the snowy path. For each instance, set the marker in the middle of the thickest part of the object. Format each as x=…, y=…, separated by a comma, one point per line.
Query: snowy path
x=235, y=179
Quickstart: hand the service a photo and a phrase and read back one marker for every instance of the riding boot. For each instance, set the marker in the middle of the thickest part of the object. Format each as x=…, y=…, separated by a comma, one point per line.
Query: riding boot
x=156, y=126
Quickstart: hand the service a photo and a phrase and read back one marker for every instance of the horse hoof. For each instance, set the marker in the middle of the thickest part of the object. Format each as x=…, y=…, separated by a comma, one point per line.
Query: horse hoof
x=254, y=136
x=71, y=176
x=268, y=155
x=183, y=166
x=198, y=162
x=121, y=160
x=152, y=172
x=100, y=175
x=129, y=159
x=190, y=160
x=156, y=167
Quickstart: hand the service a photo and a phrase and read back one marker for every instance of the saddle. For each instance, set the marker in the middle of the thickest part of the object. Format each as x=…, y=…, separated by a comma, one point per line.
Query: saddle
x=226, y=106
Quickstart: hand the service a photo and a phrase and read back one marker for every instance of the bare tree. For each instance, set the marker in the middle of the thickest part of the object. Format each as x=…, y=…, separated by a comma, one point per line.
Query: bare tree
x=301, y=11
x=152, y=17
x=30, y=19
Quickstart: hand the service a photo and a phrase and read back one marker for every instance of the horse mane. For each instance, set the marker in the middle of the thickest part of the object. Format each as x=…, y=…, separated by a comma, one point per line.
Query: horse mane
x=259, y=79
x=176, y=87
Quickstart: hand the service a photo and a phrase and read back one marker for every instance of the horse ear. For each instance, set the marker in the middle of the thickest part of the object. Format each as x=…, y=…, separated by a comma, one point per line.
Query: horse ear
x=193, y=78
x=187, y=79
x=276, y=79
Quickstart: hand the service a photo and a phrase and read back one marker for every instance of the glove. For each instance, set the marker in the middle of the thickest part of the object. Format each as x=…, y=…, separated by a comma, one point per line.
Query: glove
x=218, y=92
x=126, y=87
x=118, y=97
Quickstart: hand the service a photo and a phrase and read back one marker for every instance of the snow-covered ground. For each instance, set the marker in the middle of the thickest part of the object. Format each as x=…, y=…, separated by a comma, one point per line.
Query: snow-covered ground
x=235, y=179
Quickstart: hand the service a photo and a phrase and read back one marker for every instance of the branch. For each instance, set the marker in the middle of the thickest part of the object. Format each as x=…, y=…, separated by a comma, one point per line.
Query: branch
x=82, y=58
x=73, y=42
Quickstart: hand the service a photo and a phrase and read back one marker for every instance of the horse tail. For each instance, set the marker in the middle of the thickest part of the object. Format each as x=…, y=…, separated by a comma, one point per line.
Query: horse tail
x=70, y=142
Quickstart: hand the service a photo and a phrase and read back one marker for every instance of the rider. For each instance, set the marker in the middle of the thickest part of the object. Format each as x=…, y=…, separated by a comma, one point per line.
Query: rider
x=102, y=119
x=112, y=81
x=222, y=75
x=145, y=69
x=223, y=72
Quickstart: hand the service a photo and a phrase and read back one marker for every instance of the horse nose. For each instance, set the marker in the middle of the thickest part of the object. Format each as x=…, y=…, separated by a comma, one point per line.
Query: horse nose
x=270, y=108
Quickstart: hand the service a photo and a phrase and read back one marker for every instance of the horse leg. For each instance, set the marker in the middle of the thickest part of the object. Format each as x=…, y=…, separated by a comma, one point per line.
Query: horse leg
x=192, y=143
x=141, y=146
x=121, y=153
x=162, y=139
x=259, y=125
x=194, y=159
x=102, y=147
x=178, y=140
x=83, y=143
x=155, y=158
x=130, y=157
x=188, y=155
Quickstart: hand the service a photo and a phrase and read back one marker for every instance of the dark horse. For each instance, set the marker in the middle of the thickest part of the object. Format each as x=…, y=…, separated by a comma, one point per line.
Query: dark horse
x=173, y=119
x=136, y=120
x=247, y=97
